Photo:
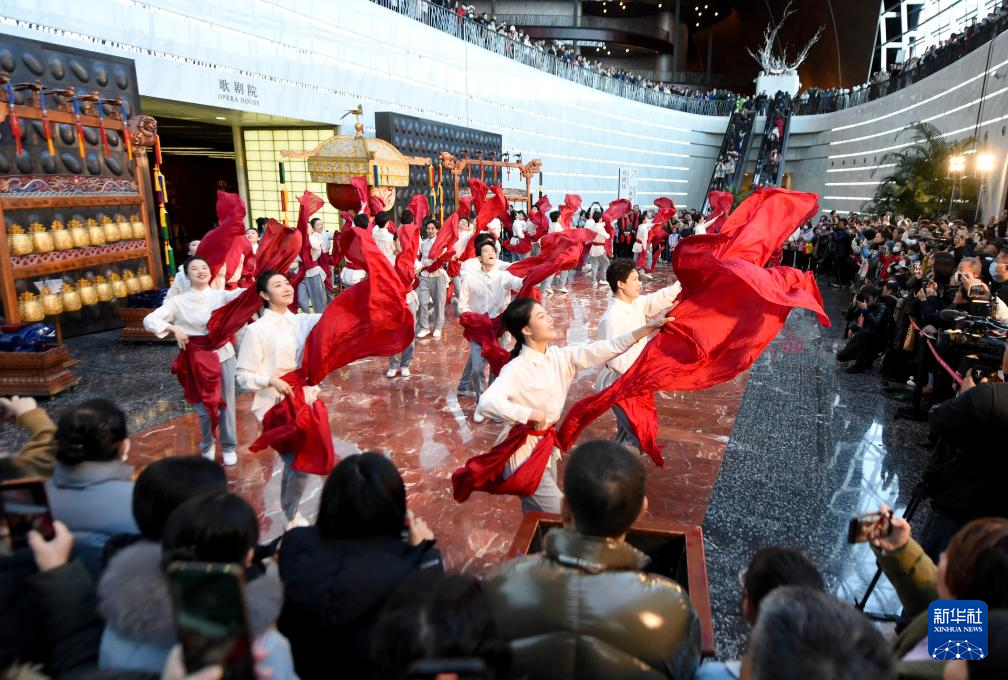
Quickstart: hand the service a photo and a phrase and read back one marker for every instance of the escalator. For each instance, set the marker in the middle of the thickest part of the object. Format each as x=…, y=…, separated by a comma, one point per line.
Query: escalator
x=729, y=167
x=769, y=169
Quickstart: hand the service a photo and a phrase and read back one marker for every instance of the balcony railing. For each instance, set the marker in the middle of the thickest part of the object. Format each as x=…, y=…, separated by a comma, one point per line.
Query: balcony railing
x=642, y=26
x=445, y=19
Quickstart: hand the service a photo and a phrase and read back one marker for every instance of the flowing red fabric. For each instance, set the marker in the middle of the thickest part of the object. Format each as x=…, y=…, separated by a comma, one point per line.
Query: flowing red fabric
x=420, y=208
x=360, y=184
x=729, y=310
x=540, y=219
x=484, y=331
x=486, y=472
x=310, y=204
x=657, y=234
x=570, y=206
x=615, y=212
x=297, y=426
x=720, y=205
x=223, y=245
x=494, y=207
x=199, y=372
x=443, y=248
x=560, y=251
x=279, y=246
x=368, y=319
x=479, y=193
x=405, y=263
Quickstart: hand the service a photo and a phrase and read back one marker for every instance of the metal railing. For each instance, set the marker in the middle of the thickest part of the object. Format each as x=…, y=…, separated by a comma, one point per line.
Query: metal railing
x=464, y=28
x=642, y=26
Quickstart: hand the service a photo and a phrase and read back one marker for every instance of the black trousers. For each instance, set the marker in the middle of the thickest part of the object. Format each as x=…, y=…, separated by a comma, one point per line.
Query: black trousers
x=863, y=347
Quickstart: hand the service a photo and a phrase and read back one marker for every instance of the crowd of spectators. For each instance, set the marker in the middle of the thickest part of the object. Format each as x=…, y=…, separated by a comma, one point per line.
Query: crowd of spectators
x=812, y=101
x=363, y=592
x=898, y=75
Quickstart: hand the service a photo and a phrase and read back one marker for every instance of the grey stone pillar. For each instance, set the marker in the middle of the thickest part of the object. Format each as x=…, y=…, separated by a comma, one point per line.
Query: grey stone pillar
x=241, y=171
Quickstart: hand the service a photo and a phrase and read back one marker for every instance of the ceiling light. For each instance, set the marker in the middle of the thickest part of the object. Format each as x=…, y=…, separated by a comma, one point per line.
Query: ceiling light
x=627, y=49
x=715, y=13
x=220, y=117
x=697, y=8
x=705, y=6
x=698, y=24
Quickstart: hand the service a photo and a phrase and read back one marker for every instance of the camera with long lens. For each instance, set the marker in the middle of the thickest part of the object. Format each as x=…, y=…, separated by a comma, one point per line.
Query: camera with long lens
x=976, y=336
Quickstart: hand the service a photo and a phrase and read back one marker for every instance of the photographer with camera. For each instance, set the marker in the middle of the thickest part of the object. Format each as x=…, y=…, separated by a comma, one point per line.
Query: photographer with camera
x=966, y=479
x=870, y=323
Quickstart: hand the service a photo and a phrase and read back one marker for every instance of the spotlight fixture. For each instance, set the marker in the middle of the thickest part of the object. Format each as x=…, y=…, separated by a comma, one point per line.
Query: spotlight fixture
x=984, y=163
x=957, y=164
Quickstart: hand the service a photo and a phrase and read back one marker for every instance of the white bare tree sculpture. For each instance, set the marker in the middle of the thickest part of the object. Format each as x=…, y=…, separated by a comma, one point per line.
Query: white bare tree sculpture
x=774, y=64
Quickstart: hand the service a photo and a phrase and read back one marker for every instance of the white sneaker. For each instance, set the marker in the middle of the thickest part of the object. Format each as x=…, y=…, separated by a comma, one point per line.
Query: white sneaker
x=466, y=393
x=478, y=417
x=436, y=334
x=424, y=332
x=600, y=283
x=563, y=290
x=648, y=276
x=298, y=521
x=547, y=292
x=230, y=457
x=390, y=373
x=405, y=372
x=211, y=453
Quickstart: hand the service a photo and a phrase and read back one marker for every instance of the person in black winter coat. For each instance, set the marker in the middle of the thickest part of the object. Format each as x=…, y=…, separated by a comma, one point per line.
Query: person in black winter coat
x=871, y=320
x=967, y=481
x=339, y=573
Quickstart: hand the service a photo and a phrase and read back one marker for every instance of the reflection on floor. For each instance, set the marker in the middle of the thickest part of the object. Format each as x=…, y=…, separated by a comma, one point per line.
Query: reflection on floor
x=808, y=449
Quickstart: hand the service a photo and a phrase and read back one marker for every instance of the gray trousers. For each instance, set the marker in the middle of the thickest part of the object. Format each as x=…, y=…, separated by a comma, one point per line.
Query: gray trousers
x=311, y=289
x=228, y=429
x=292, y=486
x=624, y=433
x=432, y=289
x=472, y=374
x=599, y=264
x=547, y=495
x=562, y=279
x=404, y=359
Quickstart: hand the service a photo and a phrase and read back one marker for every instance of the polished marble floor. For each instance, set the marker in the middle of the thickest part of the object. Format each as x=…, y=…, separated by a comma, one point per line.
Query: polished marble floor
x=808, y=448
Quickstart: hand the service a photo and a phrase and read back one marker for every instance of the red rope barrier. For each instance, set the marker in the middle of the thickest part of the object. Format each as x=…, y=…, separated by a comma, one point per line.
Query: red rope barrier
x=941, y=362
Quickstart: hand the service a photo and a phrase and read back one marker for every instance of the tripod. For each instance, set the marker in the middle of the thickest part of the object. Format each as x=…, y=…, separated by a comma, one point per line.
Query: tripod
x=921, y=491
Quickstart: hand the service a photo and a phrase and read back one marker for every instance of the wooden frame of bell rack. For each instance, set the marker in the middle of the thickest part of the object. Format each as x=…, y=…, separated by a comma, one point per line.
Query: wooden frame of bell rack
x=46, y=373
x=456, y=166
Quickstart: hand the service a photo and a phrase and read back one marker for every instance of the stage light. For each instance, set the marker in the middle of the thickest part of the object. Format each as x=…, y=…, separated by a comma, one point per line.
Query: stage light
x=957, y=164
x=984, y=163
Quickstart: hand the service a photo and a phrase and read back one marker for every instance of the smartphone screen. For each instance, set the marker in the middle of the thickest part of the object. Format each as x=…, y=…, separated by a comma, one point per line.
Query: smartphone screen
x=210, y=618
x=869, y=526
x=24, y=507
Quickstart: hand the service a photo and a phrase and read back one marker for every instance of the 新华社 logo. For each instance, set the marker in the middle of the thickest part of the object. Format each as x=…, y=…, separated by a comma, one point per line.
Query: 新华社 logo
x=957, y=629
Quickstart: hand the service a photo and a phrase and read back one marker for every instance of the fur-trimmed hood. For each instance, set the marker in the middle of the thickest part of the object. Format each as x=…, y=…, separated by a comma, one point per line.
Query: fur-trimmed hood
x=134, y=600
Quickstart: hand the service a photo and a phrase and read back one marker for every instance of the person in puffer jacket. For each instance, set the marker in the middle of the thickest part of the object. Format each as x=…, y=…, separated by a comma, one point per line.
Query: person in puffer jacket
x=585, y=608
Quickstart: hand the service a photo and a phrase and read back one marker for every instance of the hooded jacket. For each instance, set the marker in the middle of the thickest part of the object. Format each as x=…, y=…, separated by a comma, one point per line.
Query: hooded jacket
x=134, y=600
x=334, y=590
x=585, y=609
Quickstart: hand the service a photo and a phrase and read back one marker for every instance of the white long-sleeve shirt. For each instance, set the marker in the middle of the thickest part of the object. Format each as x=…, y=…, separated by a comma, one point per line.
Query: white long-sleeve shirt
x=487, y=292
x=463, y=240
x=540, y=380
x=555, y=228
x=472, y=266
x=317, y=242
x=643, y=232
x=180, y=283
x=425, y=261
x=601, y=236
x=190, y=312
x=625, y=317
x=270, y=348
x=385, y=242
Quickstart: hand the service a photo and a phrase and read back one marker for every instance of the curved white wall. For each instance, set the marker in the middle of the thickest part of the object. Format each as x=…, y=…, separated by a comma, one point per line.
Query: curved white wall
x=315, y=59
x=838, y=154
